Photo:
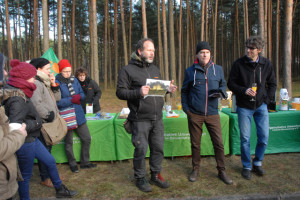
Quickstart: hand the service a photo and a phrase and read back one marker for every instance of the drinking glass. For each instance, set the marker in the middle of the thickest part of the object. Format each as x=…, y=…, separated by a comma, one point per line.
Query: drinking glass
x=254, y=87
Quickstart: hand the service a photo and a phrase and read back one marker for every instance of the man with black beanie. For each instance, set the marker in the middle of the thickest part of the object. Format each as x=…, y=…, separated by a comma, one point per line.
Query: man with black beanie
x=203, y=84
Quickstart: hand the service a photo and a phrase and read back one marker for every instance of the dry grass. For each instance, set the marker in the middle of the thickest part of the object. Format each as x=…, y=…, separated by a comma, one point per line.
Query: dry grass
x=114, y=180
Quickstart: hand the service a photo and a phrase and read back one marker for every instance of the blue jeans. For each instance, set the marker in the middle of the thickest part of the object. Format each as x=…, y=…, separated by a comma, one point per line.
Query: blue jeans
x=261, y=118
x=26, y=155
x=42, y=167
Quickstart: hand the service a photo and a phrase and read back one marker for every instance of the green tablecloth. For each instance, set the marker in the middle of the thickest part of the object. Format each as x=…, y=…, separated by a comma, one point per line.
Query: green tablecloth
x=102, y=145
x=177, y=138
x=284, y=132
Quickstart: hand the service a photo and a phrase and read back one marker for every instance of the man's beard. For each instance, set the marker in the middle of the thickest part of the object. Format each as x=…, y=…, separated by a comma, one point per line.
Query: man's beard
x=146, y=59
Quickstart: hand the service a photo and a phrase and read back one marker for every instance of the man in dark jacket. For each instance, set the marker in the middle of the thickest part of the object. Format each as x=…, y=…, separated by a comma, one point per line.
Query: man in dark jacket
x=145, y=113
x=202, y=86
x=249, y=69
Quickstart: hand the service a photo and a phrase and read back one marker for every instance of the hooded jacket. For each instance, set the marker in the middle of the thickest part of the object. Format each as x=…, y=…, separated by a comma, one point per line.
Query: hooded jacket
x=10, y=142
x=131, y=78
x=197, y=84
x=20, y=109
x=244, y=72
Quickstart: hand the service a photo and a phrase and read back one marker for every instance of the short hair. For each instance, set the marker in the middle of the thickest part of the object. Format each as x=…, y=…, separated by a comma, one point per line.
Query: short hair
x=140, y=43
x=255, y=41
x=81, y=70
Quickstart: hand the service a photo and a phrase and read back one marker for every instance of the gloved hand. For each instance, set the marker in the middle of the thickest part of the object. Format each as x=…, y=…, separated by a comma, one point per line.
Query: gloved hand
x=76, y=99
x=50, y=116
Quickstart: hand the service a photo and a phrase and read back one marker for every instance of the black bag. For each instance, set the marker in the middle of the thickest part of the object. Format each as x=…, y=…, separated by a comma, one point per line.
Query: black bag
x=127, y=126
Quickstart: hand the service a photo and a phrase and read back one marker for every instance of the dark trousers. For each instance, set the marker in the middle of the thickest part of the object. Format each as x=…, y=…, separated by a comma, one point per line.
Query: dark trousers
x=144, y=133
x=213, y=126
x=85, y=136
x=42, y=167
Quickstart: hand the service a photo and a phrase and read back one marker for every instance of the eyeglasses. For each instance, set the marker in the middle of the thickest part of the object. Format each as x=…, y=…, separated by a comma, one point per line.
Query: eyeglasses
x=251, y=48
x=66, y=72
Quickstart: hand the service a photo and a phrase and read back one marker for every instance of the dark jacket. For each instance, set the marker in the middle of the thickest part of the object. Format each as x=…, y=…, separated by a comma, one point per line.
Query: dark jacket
x=243, y=73
x=65, y=101
x=131, y=78
x=197, y=85
x=21, y=110
x=92, y=94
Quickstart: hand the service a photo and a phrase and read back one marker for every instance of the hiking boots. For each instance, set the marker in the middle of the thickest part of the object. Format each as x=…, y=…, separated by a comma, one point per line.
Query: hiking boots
x=246, y=173
x=193, y=176
x=258, y=170
x=64, y=192
x=222, y=175
x=158, y=180
x=143, y=184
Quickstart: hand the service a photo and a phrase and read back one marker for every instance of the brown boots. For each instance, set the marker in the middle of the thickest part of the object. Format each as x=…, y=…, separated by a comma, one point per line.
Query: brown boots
x=222, y=175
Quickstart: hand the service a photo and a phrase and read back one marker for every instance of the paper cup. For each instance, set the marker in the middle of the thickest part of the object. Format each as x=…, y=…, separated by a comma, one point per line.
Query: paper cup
x=14, y=126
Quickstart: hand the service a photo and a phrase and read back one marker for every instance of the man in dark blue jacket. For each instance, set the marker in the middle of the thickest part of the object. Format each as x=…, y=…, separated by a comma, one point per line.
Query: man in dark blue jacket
x=249, y=69
x=202, y=86
x=145, y=114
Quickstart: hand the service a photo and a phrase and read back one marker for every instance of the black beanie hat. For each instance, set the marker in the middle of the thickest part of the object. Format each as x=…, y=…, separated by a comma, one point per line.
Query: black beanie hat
x=202, y=45
x=39, y=62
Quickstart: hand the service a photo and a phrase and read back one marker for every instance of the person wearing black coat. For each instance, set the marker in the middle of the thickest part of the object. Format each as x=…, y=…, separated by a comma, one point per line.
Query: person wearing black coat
x=145, y=114
x=20, y=109
x=91, y=90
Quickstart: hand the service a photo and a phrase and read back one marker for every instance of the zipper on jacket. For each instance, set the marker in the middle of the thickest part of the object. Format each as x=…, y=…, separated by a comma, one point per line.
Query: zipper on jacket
x=206, y=98
x=153, y=97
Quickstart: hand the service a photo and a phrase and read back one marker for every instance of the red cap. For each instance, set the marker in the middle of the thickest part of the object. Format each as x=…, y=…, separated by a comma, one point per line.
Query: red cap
x=63, y=64
x=22, y=70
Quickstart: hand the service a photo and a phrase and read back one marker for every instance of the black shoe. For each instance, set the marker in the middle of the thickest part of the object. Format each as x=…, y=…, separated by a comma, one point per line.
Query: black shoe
x=246, y=173
x=64, y=192
x=258, y=170
x=222, y=175
x=193, y=176
x=88, y=166
x=158, y=180
x=74, y=168
x=143, y=184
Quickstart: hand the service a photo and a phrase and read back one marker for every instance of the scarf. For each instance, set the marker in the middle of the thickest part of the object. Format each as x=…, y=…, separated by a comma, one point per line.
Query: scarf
x=85, y=84
x=44, y=78
x=68, y=81
x=26, y=87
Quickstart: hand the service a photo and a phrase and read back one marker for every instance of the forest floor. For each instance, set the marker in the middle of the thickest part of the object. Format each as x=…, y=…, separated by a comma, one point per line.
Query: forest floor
x=114, y=180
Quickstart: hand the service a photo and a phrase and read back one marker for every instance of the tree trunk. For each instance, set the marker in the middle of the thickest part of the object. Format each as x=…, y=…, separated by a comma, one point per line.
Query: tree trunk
x=20, y=38
x=246, y=24
x=115, y=42
x=130, y=27
x=179, y=47
x=277, y=40
x=270, y=14
x=172, y=41
x=105, y=42
x=145, y=33
x=95, y=41
x=287, y=46
x=124, y=34
x=45, y=25
x=215, y=31
x=166, y=56
x=261, y=26
x=202, y=19
x=35, y=29
x=160, y=48
x=59, y=27
x=187, y=51
x=73, y=41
